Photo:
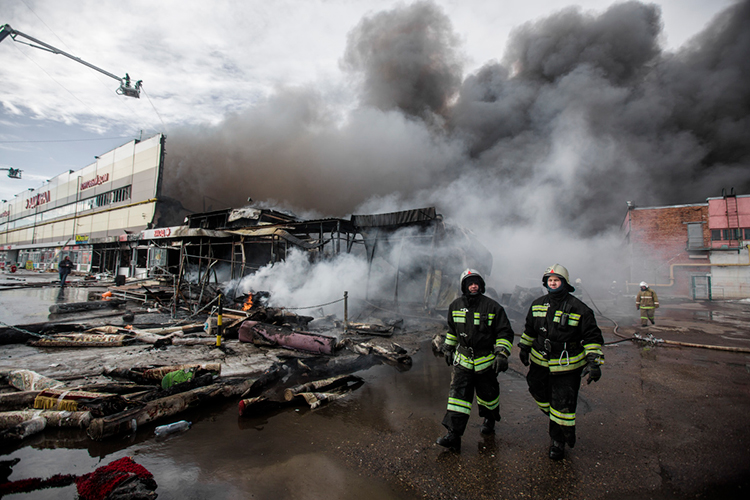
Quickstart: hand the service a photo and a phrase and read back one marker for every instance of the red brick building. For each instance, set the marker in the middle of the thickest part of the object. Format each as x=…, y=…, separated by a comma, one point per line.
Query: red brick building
x=697, y=251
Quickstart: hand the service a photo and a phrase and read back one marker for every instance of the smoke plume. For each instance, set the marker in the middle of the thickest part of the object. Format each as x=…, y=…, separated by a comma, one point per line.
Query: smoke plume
x=537, y=153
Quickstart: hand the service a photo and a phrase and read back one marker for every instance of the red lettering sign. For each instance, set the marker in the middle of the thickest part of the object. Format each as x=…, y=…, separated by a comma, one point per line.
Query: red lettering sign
x=99, y=179
x=162, y=233
x=38, y=199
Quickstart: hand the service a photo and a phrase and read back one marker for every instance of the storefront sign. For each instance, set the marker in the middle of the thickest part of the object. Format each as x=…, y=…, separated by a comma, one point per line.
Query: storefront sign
x=82, y=239
x=99, y=179
x=163, y=232
x=38, y=199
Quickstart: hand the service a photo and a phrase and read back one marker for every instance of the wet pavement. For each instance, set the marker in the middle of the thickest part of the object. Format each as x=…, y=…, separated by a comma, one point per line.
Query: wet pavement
x=662, y=423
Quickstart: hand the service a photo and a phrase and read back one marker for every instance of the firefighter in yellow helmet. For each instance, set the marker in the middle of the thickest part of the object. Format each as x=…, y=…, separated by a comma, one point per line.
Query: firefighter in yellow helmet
x=477, y=346
x=561, y=343
x=647, y=302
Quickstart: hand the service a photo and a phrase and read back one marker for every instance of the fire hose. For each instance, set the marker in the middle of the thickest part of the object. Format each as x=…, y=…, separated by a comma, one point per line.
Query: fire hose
x=650, y=339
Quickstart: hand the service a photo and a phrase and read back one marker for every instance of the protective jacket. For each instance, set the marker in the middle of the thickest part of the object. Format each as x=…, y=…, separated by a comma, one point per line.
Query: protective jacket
x=561, y=332
x=477, y=328
x=646, y=299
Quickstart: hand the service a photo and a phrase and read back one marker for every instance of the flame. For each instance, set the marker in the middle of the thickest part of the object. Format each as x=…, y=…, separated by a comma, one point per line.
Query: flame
x=248, y=303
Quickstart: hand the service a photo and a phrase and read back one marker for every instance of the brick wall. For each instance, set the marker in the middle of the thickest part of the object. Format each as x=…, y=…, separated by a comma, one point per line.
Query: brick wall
x=658, y=239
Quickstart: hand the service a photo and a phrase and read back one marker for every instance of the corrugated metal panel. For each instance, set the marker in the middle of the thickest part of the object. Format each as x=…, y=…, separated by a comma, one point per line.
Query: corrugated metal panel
x=395, y=218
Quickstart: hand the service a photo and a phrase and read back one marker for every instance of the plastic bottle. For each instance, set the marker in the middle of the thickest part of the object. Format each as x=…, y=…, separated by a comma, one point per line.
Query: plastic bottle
x=166, y=430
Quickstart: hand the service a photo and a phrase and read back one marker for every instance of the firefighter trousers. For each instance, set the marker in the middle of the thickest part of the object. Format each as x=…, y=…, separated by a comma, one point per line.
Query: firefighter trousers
x=647, y=314
x=557, y=396
x=463, y=385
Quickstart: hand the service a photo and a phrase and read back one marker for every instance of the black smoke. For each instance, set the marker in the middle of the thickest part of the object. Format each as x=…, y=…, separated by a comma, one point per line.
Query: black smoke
x=584, y=112
x=407, y=58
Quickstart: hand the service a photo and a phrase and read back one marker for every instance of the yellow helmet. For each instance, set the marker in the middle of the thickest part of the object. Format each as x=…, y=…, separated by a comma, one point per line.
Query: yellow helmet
x=561, y=272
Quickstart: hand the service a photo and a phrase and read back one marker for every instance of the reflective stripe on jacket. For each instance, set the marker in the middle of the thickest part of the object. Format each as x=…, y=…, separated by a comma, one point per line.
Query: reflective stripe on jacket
x=561, y=336
x=647, y=299
x=477, y=331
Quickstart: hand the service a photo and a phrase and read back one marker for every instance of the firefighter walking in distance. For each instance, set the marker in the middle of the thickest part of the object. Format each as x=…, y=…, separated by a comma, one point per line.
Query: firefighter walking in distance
x=561, y=343
x=647, y=302
x=477, y=346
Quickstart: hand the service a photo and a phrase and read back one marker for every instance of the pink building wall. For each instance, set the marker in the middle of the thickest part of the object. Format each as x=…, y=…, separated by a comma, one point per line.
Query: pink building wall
x=717, y=212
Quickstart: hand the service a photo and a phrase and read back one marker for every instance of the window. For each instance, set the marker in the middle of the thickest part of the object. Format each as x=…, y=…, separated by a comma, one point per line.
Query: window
x=103, y=199
x=695, y=235
x=715, y=234
x=747, y=233
x=730, y=234
x=121, y=194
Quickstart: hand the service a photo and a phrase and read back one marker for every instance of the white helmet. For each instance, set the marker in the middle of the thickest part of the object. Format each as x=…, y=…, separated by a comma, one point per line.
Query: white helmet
x=561, y=272
x=643, y=283
x=471, y=273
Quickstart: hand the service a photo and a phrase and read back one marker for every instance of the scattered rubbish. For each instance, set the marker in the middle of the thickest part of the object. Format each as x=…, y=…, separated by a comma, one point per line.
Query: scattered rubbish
x=27, y=380
x=314, y=394
x=99, y=404
x=76, y=419
x=381, y=330
x=23, y=430
x=70, y=307
x=173, y=428
x=83, y=340
x=122, y=478
x=270, y=335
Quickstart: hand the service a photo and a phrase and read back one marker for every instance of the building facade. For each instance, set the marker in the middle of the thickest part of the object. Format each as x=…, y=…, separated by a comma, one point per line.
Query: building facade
x=93, y=214
x=696, y=251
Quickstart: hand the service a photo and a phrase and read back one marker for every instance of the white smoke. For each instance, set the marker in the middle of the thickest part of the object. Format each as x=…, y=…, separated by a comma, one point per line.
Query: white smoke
x=304, y=286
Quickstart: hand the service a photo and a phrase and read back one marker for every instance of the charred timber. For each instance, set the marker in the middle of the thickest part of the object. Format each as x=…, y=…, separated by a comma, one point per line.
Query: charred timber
x=85, y=306
x=17, y=400
x=21, y=334
x=153, y=374
x=68, y=419
x=129, y=420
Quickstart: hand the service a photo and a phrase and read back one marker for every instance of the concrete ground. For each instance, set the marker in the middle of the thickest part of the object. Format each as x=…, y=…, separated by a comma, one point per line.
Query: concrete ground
x=664, y=422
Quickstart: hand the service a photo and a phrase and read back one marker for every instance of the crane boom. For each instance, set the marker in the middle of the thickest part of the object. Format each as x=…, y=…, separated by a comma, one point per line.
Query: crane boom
x=125, y=87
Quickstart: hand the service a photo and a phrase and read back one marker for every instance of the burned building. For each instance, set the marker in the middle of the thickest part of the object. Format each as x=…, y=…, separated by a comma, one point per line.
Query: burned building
x=414, y=257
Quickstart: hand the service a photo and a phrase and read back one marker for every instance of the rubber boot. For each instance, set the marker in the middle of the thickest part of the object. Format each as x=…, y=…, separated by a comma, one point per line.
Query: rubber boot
x=557, y=450
x=451, y=441
x=488, y=427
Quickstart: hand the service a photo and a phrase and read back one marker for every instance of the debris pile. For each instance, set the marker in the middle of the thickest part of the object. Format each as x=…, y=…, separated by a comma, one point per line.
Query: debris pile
x=311, y=368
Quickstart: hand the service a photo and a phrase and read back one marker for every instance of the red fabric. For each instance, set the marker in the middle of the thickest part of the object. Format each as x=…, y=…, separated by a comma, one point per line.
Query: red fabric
x=100, y=483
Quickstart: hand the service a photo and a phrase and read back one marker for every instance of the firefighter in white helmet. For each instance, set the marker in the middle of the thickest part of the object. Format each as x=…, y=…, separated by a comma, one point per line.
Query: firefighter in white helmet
x=647, y=302
x=477, y=346
x=563, y=344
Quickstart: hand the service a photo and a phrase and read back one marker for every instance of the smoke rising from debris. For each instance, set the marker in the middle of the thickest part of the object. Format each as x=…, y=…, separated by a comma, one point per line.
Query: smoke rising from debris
x=538, y=152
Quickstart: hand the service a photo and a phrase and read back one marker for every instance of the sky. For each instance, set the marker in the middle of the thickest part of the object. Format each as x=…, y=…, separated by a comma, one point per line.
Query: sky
x=526, y=121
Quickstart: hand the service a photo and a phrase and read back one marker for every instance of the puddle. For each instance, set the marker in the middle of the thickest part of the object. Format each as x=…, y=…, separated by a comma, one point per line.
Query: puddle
x=31, y=305
x=294, y=453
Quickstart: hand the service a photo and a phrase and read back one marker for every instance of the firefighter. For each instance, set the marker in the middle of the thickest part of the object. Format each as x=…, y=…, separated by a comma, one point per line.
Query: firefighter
x=561, y=343
x=477, y=346
x=647, y=302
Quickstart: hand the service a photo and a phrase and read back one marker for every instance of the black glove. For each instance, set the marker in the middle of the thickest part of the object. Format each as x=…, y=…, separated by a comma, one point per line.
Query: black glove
x=524, y=355
x=593, y=369
x=449, y=355
x=500, y=364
